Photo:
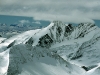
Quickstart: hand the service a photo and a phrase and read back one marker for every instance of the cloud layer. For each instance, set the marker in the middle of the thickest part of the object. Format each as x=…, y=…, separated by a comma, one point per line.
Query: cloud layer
x=74, y=11
x=37, y=22
x=24, y=21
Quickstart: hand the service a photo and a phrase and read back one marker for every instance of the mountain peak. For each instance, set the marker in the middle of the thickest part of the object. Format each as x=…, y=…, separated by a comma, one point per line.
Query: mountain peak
x=58, y=23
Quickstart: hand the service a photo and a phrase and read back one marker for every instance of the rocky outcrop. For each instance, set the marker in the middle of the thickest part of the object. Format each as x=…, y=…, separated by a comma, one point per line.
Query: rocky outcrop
x=11, y=44
x=45, y=41
x=30, y=41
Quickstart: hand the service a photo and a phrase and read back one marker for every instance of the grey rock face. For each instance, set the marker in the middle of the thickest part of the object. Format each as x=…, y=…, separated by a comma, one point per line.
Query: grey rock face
x=45, y=41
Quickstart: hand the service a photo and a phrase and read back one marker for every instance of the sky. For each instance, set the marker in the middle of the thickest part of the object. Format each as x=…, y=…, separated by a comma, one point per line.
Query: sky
x=69, y=11
x=22, y=20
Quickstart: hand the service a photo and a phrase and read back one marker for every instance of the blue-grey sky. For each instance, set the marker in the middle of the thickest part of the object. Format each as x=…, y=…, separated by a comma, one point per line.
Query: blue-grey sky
x=22, y=20
x=28, y=20
x=70, y=11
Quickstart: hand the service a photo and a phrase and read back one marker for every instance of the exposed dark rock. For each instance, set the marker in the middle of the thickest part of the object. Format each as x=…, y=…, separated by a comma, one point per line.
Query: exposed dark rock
x=0, y=36
x=77, y=55
x=11, y=44
x=70, y=25
x=30, y=41
x=45, y=41
x=59, y=30
x=89, y=67
x=85, y=68
x=92, y=25
x=68, y=30
x=81, y=35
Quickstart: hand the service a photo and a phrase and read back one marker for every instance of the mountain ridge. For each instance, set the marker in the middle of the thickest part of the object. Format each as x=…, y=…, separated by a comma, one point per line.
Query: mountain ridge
x=58, y=32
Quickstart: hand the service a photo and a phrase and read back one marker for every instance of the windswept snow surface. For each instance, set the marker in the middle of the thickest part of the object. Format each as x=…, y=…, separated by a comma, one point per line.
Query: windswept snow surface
x=94, y=71
x=4, y=62
x=21, y=38
x=39, y=61
x=1, y=39
x=41, y=33
x=42, y=68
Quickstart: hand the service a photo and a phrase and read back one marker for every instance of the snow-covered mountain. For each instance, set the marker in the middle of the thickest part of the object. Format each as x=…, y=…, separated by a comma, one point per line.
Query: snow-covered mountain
x=58, y=49
x=9, y=30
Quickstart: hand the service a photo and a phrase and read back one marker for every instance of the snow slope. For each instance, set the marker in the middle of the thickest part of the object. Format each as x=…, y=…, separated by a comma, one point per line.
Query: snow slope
x=4, y=62
x=21, y=38
x=1, y=39
x=39, y=61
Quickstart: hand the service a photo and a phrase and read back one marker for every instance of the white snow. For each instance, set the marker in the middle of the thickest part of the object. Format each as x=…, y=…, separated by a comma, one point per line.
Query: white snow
x=41, y=33
x=73, y=41
x=4, y=62
x=41, y=67
x=22, y=38
x=1, y=39
x=94, y=71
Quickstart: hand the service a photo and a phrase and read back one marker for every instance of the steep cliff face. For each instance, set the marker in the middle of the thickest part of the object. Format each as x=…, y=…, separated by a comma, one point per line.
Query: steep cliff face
x=58, y=32
x=53, y=33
